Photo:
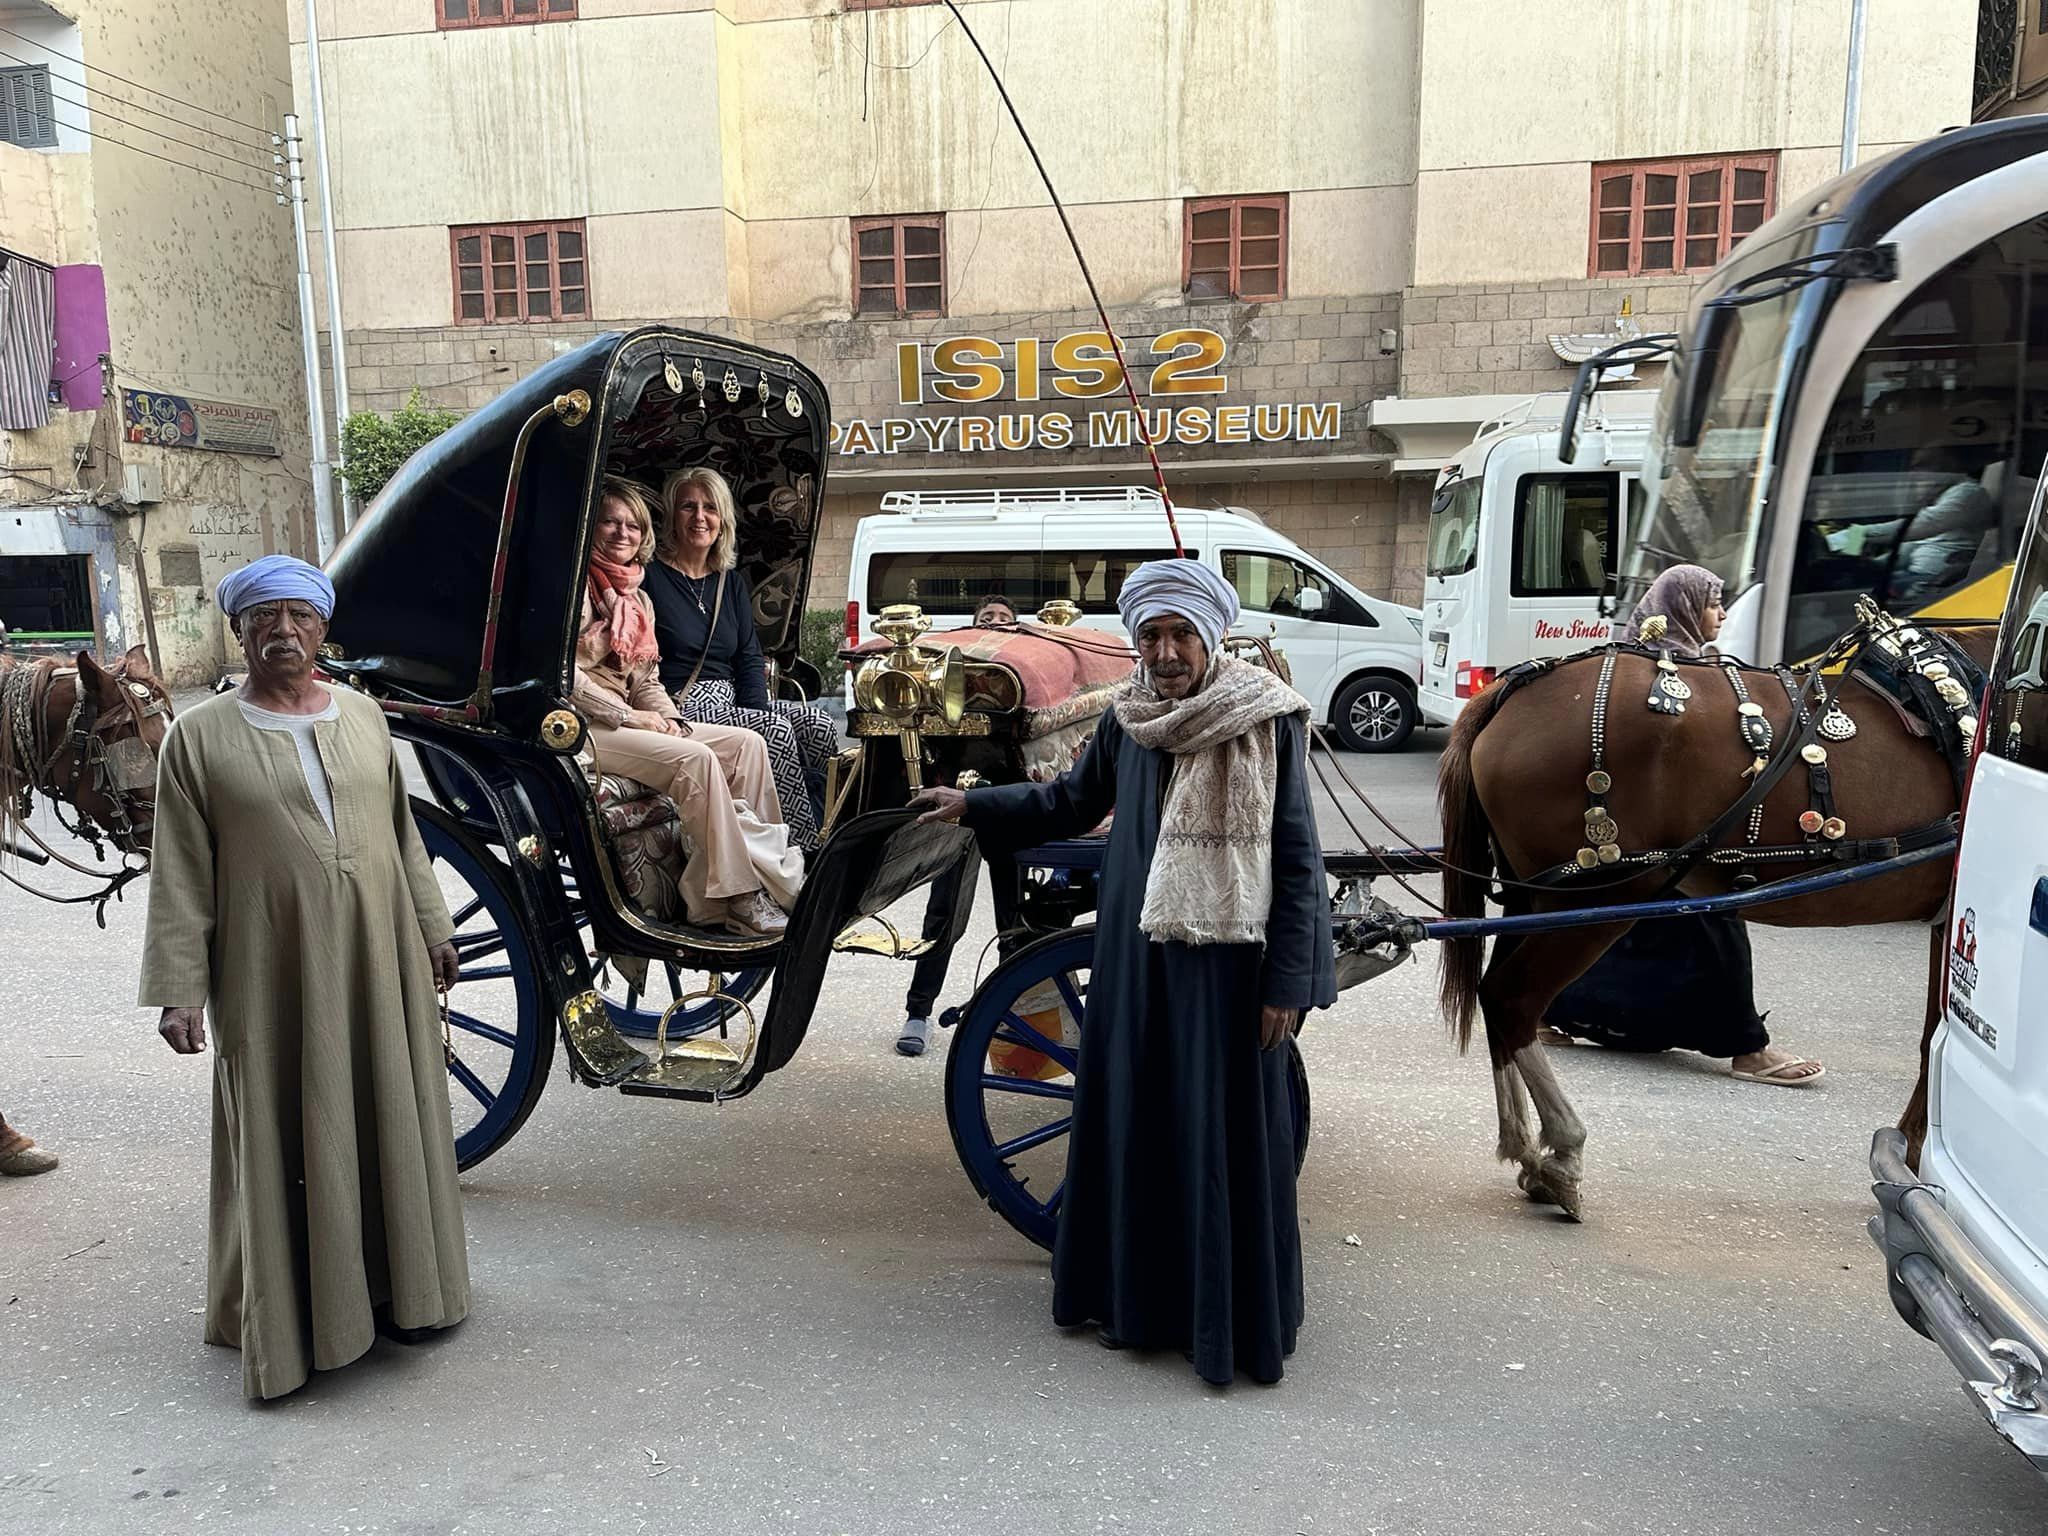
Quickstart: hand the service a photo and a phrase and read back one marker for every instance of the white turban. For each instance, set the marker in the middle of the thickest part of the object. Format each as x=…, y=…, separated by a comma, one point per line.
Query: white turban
x=1186, y=587
x=272, y=579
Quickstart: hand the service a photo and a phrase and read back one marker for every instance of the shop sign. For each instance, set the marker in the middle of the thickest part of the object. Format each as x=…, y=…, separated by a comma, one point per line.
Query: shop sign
x=181, y=421
x=1080, y=367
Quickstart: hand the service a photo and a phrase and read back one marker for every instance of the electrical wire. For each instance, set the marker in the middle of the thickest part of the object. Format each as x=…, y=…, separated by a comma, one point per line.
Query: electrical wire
x=108, y=138
x=191, y=106
x=1087, y=277
x=99, y=112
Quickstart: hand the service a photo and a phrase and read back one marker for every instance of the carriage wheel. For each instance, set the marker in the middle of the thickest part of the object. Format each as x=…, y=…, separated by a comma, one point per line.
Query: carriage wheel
x=501, y=1042
x=1010, y=1080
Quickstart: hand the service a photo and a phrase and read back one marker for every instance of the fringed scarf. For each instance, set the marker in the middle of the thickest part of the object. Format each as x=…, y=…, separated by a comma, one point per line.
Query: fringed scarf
x=1211, y=880
x=614, y=596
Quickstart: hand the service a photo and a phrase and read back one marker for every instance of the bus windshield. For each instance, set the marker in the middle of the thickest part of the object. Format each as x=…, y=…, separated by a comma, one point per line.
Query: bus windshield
x=1701, y=505
x=1454, y=528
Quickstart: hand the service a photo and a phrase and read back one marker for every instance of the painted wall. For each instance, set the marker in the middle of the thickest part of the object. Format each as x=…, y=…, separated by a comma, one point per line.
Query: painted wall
x=1503, y=194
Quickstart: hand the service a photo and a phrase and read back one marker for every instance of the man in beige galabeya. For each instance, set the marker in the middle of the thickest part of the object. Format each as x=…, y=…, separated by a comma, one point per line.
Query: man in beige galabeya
x=292, y=906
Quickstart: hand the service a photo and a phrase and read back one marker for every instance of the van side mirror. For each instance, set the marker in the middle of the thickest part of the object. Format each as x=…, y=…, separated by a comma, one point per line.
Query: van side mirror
x=1308, y=602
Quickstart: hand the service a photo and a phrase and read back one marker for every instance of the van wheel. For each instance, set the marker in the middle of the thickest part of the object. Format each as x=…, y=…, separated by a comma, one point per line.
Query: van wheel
x=1374, y=714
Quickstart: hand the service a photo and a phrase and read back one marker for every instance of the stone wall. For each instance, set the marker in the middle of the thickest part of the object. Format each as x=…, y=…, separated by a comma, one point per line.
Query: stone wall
x=1495, y=339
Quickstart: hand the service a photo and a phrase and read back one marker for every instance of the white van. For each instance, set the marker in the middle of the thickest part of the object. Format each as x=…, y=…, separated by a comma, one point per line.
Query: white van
x=1355, y=657
x=1521, y=543
x=1966, y=1240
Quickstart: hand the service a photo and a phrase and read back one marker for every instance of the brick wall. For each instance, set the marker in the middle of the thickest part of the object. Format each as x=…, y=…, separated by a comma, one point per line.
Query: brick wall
x=1495, y=339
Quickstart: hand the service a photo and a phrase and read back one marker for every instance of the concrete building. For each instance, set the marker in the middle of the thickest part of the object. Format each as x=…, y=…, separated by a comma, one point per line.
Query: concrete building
x=152, y=414
x=1332, y=232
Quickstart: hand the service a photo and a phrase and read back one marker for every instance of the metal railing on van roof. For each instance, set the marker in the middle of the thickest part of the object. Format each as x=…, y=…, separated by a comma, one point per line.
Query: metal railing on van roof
x=1093, y=497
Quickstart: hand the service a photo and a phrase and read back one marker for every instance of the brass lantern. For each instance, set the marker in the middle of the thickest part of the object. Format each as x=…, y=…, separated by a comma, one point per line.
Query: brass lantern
x=910, y=684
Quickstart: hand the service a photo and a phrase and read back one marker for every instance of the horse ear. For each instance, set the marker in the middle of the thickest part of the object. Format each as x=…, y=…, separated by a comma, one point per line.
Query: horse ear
x=91, y=674
x=135, y=664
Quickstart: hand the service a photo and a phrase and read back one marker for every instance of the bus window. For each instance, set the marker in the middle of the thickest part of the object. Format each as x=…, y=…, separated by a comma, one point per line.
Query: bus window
x=954, y=581
x=1564, y=529
x=1454, y=528
x=1927, y=462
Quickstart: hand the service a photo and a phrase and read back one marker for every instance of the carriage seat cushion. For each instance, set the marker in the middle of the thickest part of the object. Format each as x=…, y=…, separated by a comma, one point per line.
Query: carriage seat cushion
x=646, y=838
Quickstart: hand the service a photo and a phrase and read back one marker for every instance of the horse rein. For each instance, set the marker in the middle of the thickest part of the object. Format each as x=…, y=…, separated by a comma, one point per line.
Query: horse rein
x=116, y=770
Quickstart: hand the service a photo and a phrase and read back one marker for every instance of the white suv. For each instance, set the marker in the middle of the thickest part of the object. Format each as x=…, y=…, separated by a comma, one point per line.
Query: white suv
x=1966, y=1250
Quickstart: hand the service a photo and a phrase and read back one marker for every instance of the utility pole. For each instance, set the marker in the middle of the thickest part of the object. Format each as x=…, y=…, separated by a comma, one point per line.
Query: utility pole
x=291, y=188
x=1852, y=86
x=336, y=346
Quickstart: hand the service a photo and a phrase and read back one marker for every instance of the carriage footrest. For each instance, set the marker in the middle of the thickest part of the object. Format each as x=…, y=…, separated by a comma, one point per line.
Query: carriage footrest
x=887, y=941
x=701, y=1070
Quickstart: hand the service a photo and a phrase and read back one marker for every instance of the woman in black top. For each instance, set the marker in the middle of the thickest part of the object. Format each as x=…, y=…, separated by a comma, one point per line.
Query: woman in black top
x=710, y=655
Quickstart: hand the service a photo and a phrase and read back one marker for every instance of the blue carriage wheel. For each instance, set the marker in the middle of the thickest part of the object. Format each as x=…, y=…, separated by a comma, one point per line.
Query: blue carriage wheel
x=1010, y=1084
x=500, y=1042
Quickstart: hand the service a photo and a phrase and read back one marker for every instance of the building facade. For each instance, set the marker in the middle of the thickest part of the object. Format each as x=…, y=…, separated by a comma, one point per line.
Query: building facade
x=152, y=411
x=1333, y=234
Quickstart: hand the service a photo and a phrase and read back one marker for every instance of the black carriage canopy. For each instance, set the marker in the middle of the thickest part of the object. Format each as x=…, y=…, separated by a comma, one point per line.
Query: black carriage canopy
x=412, y=579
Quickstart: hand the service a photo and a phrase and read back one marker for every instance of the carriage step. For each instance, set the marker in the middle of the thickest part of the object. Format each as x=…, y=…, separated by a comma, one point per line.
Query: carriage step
x=701, y=1070
x=887, y=941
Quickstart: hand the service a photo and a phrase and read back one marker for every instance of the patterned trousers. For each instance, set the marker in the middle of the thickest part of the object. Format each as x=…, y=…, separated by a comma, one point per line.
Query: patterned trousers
x=801, y=741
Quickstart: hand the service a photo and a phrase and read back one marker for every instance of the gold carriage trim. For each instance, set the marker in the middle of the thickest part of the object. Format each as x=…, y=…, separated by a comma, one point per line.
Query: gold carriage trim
x=860, y=723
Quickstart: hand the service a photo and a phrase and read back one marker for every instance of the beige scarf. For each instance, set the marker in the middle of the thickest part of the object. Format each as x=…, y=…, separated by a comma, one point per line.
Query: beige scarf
x=1212, y=873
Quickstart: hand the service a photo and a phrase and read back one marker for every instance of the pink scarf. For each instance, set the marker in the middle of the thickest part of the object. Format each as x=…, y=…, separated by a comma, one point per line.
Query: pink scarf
x=613, y=593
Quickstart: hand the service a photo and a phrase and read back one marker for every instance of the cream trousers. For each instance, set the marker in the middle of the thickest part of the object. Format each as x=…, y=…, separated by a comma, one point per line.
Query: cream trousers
x=703, y=772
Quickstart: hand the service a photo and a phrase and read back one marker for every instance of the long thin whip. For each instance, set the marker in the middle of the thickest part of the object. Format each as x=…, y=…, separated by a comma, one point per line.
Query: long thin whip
x=1101, y=311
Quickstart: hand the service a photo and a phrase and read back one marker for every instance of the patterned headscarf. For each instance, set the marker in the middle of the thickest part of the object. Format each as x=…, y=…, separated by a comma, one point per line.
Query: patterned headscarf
x=1682, y=595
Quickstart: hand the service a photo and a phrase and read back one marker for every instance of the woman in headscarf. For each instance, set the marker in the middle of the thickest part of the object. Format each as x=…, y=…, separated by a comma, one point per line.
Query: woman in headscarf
x=1680, y=983
x=636, y=731
x=711, y=660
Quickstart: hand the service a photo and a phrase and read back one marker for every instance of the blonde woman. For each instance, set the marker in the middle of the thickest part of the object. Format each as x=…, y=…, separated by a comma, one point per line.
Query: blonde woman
x=636, y=732
x=711, y=660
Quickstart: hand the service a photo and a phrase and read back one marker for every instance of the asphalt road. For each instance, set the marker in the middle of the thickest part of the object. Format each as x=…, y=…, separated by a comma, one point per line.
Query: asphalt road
x=792, y=1315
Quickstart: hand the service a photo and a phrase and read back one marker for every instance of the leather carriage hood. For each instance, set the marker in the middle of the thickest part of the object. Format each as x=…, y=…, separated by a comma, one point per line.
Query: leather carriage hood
x=412, y=578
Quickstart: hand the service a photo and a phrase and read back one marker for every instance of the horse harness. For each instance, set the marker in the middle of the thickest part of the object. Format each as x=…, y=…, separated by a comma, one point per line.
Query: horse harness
x=1930, y=676
x=119, y=771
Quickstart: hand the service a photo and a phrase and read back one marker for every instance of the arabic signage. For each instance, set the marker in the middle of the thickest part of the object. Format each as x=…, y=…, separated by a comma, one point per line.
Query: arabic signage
x=1038, y=381
x=180, y=421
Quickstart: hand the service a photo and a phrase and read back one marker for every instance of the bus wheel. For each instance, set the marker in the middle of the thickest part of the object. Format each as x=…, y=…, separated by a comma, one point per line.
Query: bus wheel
x=1374, y=714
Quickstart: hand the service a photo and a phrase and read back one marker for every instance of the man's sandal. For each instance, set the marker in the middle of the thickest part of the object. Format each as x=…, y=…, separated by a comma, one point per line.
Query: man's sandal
x=1777, y=1077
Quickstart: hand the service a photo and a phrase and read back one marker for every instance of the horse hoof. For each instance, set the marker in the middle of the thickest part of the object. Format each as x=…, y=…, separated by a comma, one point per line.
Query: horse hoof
x=1542, y=1189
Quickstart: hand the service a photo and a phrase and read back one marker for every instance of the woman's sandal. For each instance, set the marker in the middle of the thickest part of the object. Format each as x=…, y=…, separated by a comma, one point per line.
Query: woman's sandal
x=1774, y=1077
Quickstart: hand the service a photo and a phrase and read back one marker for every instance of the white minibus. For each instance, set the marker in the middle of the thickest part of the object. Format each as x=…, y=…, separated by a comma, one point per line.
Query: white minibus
x=1354, y=656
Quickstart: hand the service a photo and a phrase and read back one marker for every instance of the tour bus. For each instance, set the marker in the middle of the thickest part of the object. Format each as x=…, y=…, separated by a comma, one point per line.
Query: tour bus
x=1858, y=403
x=1521, y=543
x=1355, y=657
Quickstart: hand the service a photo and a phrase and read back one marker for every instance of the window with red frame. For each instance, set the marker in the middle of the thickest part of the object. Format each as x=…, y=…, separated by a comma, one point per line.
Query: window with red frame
x=509, y=273
x=899, y=265
x=1235, y=248
x=1677, y=215
x=500, y=13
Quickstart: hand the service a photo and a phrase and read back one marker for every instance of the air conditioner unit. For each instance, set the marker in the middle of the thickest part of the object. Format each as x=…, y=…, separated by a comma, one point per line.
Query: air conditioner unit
x=142, y=483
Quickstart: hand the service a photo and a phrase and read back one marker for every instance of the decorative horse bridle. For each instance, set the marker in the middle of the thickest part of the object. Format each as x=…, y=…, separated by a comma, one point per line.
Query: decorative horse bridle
x=118, y=771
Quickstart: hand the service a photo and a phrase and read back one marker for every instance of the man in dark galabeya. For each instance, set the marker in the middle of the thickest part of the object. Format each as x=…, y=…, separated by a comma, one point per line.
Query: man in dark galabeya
x=1178, y=1227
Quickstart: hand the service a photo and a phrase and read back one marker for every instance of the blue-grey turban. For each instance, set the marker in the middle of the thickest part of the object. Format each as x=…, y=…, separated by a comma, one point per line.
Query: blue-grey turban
x=1186, y=587
x=273, y=579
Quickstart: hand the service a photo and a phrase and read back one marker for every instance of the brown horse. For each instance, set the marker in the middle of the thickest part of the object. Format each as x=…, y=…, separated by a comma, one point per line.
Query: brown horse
x=1513, y=793
x=86, y=737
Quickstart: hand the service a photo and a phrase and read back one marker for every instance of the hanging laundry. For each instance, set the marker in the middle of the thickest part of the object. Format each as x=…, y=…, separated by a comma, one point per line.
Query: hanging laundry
x=28, y=341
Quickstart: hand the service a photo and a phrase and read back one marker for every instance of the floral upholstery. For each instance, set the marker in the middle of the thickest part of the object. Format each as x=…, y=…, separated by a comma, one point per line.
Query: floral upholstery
x=646, y=837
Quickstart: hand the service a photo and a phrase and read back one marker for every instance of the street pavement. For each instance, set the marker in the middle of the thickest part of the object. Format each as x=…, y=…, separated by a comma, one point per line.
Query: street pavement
x=791, y=1314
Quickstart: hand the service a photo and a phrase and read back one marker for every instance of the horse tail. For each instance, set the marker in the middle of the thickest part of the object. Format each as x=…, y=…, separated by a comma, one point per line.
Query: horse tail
x=1468, y=860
